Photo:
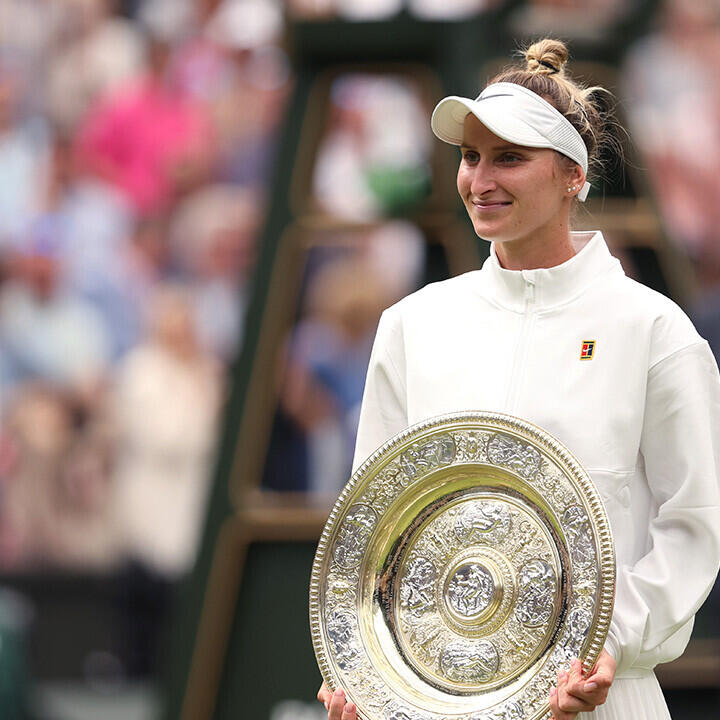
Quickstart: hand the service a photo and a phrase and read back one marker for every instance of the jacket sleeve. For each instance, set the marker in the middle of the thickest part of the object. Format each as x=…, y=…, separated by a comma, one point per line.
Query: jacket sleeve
x=383, y=413
x=657, y=597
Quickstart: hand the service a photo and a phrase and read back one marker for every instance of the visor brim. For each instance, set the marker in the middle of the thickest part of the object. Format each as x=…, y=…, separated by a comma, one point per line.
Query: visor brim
x=448, y=120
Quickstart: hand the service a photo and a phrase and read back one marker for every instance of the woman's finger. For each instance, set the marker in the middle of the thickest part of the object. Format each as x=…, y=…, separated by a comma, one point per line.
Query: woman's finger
x=598, y=682
x=570, y=704
x=337, y=705
x=592, y=693
x=566, y=702
x=557, y=713
x=324, y=696
x=575, y=682
x=349, y=712
x=594, y=688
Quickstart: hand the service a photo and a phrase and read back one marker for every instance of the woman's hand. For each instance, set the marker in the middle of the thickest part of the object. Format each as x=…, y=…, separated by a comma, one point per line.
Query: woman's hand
x=576, y=693
x=335, y=704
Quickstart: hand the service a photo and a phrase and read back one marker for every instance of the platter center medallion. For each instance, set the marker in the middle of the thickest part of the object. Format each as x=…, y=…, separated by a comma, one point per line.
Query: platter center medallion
x=473, y=590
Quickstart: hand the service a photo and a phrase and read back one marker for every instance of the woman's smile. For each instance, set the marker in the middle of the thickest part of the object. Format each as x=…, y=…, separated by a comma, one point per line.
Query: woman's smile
x=490, y=205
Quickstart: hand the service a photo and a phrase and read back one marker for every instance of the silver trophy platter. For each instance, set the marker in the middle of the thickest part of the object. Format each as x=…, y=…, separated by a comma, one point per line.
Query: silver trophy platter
x=466, y=562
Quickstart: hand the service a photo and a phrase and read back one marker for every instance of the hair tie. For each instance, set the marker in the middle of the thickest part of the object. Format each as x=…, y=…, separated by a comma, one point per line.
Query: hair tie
x=546, y=64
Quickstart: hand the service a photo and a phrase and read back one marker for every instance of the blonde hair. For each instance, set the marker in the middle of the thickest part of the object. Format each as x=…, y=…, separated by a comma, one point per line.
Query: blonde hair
x=545, y=75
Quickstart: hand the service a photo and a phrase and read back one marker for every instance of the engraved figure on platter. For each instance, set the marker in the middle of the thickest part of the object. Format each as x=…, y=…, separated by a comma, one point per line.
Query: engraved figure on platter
x=480, y=521
x=511, y=711
x=579, y=533
x=419, y=459
x=399, y=715
x=521, y=644
x=516, y=455
x=357, y=528
x=471, y=444
x=525, y=535
x=341, y=590
x=417, y=586
x=470, y=590
x=578, y=625
x=392, y=711
x=340, y=633
x=537, y=592
x=466, y=662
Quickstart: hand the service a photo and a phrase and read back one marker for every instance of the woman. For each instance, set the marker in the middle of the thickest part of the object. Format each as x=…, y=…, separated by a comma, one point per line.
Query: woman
x=551, y=330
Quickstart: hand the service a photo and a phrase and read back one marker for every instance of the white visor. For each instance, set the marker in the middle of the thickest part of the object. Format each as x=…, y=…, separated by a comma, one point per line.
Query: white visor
x=516, y=114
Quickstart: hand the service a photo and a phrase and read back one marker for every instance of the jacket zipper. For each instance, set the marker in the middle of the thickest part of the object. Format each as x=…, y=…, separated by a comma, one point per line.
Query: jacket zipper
x=521, y=347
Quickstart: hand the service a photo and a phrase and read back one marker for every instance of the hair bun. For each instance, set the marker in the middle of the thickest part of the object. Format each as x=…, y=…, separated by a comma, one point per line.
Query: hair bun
x=546, y=57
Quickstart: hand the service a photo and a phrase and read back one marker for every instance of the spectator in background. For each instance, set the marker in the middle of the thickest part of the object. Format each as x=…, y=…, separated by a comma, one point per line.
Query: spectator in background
x=212, y=241
x=164, y=411
x=247, y=106
x=55, y=509
x=24, y=149
x=673, y=69
x=39, y=426
x=328, y=357
x=373, y=160
x=329, y=349
x=311, y=9
x=96, y=53
x=29, y=32
x=148, y=138
x=40, y=429
x=89, y=223
x=395, y=251
x=46, y=333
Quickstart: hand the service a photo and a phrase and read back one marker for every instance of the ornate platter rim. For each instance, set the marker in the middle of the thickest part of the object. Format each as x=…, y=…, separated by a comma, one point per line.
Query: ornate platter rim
x=478, y=421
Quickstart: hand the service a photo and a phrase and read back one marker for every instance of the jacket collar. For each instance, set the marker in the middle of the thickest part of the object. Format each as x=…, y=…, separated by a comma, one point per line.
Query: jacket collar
x=552, y=286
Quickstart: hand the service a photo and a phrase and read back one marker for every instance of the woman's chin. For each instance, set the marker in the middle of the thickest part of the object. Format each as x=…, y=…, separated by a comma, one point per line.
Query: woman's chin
x=490, y=234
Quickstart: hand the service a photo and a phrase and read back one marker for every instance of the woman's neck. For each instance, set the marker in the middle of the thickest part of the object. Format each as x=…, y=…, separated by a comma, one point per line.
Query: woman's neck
x=530, y=255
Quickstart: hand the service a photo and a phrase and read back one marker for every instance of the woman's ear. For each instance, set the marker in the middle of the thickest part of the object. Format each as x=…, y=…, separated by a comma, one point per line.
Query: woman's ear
x=575, y=180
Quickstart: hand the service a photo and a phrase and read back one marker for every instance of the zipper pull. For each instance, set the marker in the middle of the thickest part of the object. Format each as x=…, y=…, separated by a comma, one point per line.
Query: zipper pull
x=529, y=291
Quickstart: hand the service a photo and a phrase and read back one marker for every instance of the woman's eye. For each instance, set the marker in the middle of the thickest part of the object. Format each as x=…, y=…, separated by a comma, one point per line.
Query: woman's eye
x=470, y=157
x=509, y=158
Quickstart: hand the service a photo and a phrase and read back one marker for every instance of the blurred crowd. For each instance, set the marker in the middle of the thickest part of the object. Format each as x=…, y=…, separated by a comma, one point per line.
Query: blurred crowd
x=536, y=15
x=135, y=144
x=383, y=9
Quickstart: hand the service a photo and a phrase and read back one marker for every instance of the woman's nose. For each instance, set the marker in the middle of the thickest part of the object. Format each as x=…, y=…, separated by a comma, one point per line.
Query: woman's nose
x=482, y=180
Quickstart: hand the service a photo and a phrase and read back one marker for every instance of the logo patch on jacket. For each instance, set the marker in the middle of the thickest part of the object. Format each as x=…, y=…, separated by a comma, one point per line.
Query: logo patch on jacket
x=587, y=349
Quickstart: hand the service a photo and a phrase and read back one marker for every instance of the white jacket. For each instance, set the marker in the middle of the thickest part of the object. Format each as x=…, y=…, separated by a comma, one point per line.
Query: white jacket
x=642, y=415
